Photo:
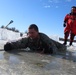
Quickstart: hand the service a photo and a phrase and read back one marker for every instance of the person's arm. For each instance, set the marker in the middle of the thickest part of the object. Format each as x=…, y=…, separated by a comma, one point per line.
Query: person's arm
x=65, y=20
x=21, y=43
x=64, y=24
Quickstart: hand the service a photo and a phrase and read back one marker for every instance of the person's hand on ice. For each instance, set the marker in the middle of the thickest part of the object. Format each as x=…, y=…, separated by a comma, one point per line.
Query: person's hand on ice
x=7, y=46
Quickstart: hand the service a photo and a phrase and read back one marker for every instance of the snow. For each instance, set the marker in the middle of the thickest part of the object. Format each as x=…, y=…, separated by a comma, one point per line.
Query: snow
x=8, y=35
x=54, y=37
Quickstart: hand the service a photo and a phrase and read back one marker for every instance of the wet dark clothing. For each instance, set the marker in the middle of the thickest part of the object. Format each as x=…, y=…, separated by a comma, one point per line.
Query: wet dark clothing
x=43, y=43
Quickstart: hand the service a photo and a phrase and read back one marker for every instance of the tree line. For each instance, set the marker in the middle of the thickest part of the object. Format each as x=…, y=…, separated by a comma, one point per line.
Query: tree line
x=12, y=29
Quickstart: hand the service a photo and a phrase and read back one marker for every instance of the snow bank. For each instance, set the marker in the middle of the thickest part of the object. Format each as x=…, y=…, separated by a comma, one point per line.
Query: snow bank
x=8, y=35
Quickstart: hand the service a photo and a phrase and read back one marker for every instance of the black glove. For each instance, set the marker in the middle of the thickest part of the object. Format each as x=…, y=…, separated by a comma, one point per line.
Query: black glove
x=64, y=25
x=7, y=47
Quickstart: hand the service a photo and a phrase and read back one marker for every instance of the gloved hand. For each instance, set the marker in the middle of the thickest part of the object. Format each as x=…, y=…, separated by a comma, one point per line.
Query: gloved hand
x=64, y=25
x=7, y=47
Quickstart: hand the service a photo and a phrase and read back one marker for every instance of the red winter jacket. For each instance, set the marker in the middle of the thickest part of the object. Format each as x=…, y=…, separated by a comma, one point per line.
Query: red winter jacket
x=70, y=21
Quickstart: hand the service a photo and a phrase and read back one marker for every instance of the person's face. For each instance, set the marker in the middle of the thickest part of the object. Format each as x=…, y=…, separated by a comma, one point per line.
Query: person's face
x=73, y=10
x=32, y=33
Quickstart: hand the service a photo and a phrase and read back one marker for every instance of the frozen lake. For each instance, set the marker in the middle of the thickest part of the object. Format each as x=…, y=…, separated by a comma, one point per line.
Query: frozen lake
x=20, y=62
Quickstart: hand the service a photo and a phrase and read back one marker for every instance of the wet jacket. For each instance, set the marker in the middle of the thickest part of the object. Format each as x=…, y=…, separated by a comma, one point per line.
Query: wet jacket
x=43, y=43
x=70, y=21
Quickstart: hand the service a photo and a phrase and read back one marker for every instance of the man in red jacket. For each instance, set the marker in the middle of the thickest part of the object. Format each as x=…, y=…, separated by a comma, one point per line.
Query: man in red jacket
x=70, y=26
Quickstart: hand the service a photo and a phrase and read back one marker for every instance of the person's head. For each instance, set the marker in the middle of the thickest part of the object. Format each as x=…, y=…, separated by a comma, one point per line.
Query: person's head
x=73, y=9
x=33, y=31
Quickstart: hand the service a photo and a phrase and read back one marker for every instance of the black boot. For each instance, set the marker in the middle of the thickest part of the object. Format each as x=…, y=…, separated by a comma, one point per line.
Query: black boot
x=65, y=38
x=71, y=38
x=64, y=43
x=70, y=43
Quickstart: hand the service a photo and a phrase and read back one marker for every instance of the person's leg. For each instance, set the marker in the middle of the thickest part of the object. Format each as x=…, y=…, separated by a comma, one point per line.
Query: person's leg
x=71, y=38
x=65, y=37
